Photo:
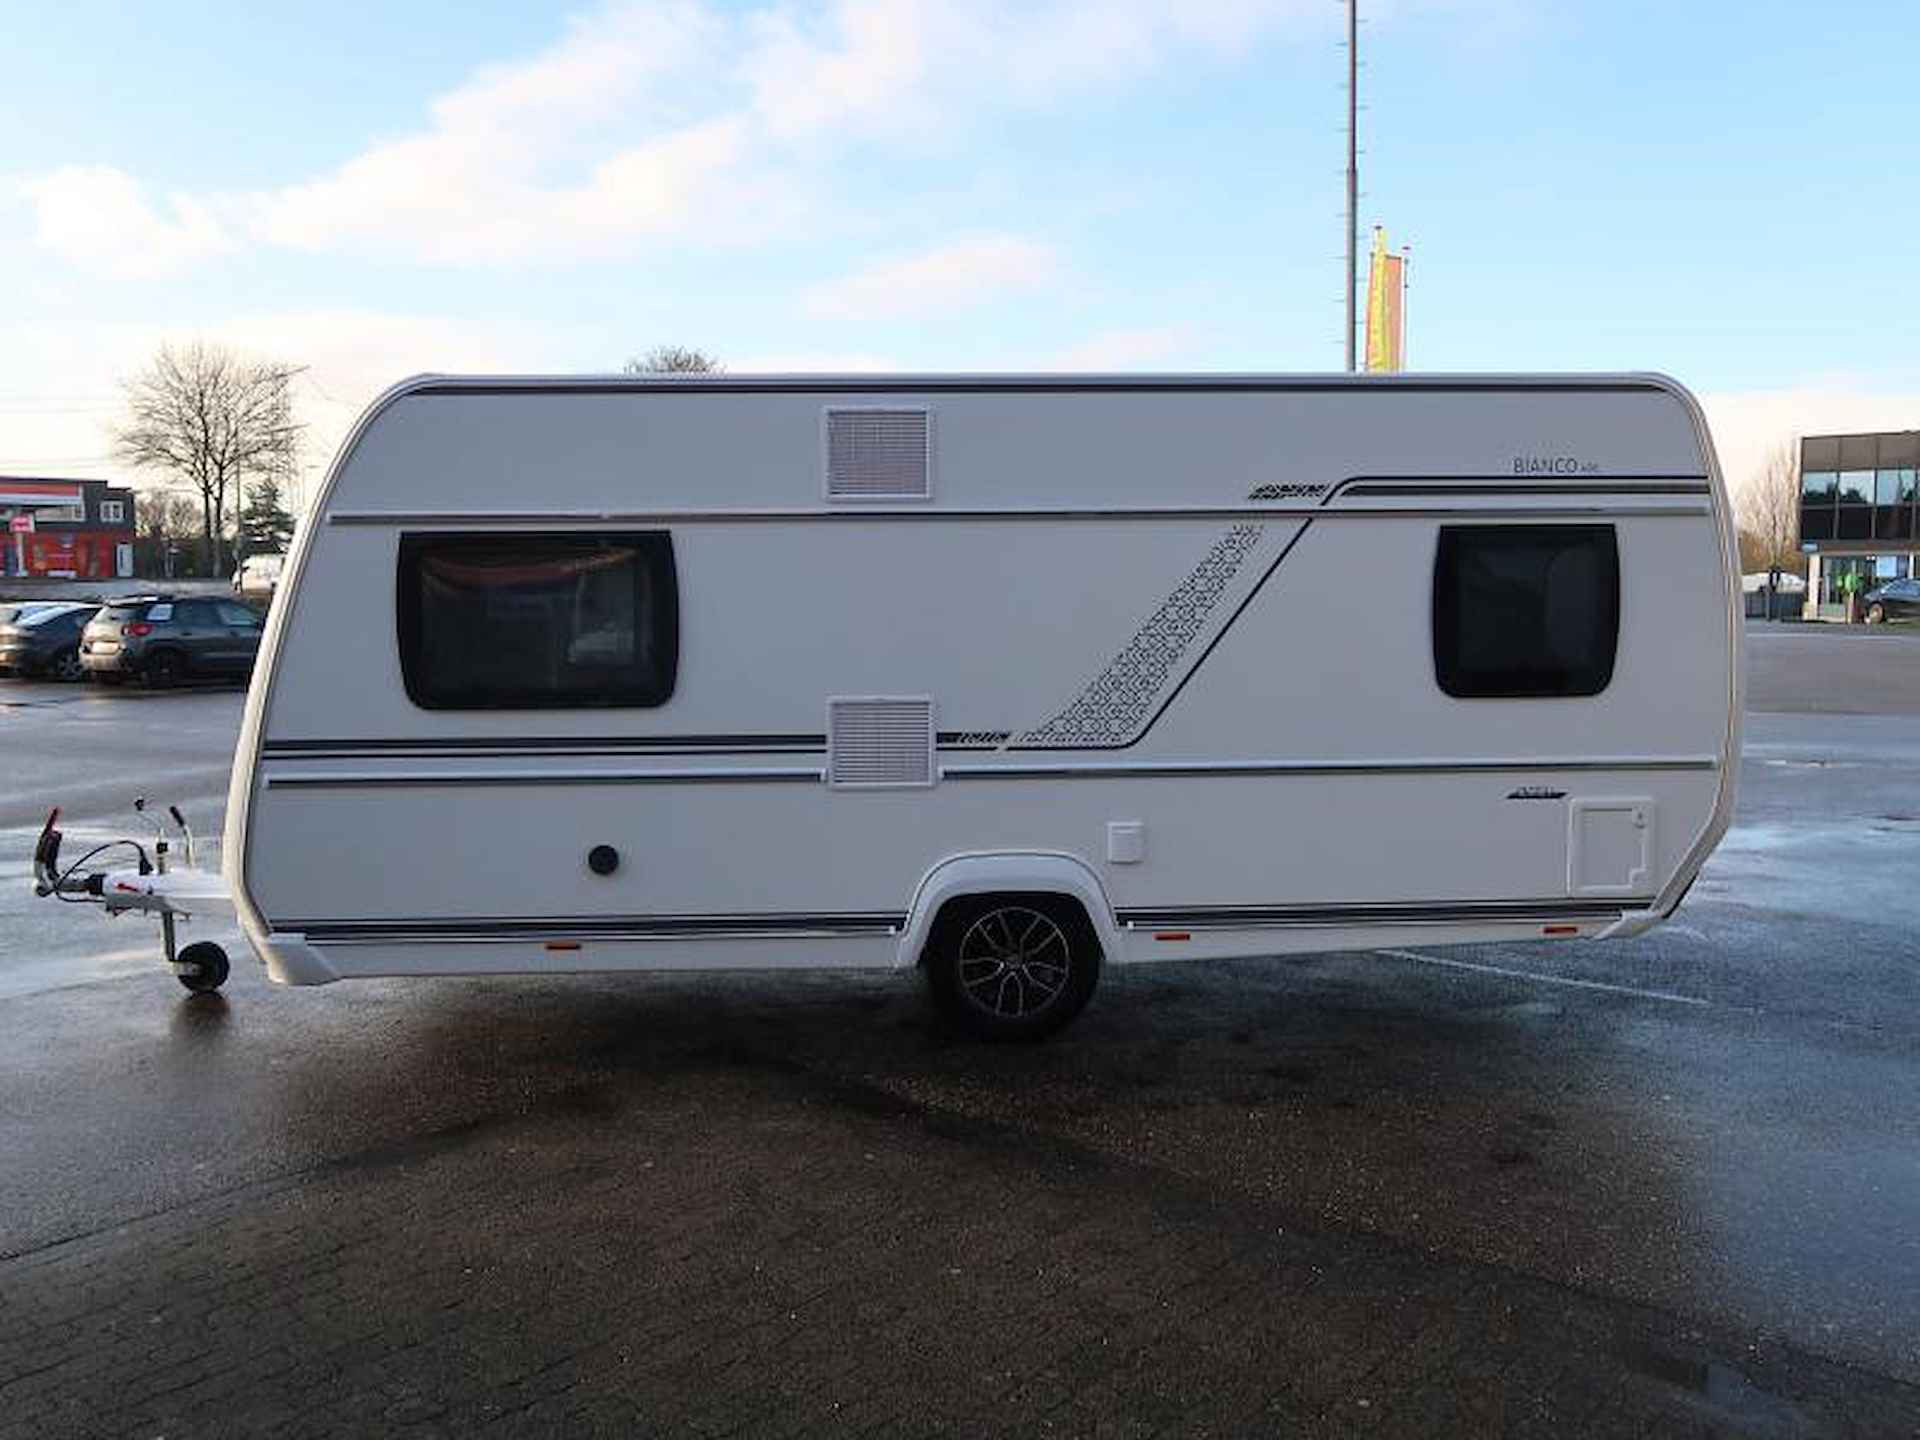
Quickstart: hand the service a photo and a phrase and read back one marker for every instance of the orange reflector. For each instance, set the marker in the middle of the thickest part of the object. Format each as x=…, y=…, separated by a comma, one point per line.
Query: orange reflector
x=563, y=944
x=1559, y=929
x=1172, y=935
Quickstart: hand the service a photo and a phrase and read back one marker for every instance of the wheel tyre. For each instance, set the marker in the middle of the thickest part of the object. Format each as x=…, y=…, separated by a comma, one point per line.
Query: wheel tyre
x=1876, y=614
x=66, y=666
x=163, y=670
x=1012, y=967
x=213, y=970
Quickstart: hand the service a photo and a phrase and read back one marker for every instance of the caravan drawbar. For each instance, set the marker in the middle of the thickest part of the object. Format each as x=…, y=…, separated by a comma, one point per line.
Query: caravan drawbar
x=1002, y=677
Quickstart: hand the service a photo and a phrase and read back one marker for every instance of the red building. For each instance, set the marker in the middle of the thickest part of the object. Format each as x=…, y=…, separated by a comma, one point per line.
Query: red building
x=71, y=529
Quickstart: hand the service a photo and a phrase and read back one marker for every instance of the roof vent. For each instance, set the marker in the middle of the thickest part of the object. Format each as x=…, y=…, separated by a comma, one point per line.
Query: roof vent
x=879, y=453
x=876, y=741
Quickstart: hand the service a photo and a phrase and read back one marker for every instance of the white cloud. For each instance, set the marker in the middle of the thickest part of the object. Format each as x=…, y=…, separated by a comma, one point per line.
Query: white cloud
x=856, y=62
x=63, y=390
x=517, y=164
x=1748, y=424
x=966, y=272
x=355, y=353
x=99, y=218
x=605, y=61
x=351, y=355
x=464, y=199
x=657, y=119
x=919, y=65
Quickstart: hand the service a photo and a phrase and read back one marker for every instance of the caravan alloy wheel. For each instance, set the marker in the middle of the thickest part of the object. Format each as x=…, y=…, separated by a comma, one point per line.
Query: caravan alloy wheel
x=1013, y=967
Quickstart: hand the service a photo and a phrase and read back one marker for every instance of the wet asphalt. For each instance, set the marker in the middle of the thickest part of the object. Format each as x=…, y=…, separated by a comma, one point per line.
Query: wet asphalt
x=1716, y=1126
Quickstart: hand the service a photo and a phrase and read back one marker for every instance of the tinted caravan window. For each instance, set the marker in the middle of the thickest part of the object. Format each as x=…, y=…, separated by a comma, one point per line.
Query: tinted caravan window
x=491, y=622
x=1525, y=610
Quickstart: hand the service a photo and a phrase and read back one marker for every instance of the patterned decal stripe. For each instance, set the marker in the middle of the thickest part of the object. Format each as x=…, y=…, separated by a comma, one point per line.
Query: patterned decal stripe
x=1111, y=709
x=973, y=739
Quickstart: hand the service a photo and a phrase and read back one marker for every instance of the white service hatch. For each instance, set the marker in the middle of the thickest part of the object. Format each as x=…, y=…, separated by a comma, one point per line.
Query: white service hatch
x=1610, y=846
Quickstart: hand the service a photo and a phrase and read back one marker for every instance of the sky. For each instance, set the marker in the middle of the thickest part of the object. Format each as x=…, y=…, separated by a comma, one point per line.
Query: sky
x=1722, y=191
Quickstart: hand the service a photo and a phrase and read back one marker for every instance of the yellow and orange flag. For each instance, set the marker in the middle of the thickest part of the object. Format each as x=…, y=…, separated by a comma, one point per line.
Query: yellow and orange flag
x=1386, y=307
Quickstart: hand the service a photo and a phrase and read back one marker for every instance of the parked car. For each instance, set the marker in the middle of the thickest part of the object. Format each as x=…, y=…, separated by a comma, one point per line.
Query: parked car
x=258, y=576
x=12, y=610
x=1896, y=600
x=163, y=639
x=45, y=641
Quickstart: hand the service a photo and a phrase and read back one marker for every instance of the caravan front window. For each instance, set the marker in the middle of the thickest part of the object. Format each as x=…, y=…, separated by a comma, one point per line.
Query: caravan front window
x=1525, y=611
x=555, y=621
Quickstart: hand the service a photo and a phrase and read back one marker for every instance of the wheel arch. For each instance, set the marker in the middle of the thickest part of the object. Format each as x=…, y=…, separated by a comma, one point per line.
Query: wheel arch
x=1031, y=872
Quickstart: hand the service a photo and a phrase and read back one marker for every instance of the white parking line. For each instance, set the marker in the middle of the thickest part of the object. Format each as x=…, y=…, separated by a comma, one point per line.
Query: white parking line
x=1634, y=991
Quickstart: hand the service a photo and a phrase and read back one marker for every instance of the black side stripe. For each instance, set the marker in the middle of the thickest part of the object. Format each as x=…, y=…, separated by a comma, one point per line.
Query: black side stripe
x=1215, y=917
x=748, y=743
x=561, y=744
x=1502, y=487
x=595, y=927
x=1466, y=765
x=548, y=778
x=1229, y=917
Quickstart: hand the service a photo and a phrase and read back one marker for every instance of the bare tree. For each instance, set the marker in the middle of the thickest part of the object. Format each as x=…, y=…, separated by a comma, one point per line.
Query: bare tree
x=210, y=418
x=1770, y=508
x=165, y=514
x=164, y=518
x=674, y=360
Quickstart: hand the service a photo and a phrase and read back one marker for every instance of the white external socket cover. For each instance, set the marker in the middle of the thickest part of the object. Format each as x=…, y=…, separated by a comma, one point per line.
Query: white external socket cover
x=1126, y=842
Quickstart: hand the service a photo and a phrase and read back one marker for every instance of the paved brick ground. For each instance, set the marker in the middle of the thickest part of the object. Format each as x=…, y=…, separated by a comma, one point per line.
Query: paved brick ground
x=745, y=1250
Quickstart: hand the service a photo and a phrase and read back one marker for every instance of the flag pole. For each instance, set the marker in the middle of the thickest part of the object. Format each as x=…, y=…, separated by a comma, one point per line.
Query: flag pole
x=1353, y=174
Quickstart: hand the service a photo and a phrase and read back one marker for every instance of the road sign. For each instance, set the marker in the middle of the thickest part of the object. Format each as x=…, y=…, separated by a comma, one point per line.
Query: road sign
x=21, y=524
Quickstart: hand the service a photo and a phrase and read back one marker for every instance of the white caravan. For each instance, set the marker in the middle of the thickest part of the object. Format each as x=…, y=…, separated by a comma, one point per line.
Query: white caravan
x=1005, y=677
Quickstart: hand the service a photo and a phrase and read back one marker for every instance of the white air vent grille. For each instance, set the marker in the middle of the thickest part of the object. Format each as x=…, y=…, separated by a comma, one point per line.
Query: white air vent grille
x=876, y=740
x=879, y=454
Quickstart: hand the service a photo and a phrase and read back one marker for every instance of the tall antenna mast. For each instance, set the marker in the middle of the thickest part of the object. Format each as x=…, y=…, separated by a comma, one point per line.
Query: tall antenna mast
x=1353, y=173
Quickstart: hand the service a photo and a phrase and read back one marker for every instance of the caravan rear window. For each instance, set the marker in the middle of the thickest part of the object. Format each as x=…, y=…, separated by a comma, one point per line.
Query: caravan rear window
x=559, y=621
x=1524, y=611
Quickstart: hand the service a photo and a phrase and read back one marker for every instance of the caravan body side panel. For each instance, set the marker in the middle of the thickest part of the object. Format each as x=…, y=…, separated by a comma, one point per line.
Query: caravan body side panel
x=1199, y=611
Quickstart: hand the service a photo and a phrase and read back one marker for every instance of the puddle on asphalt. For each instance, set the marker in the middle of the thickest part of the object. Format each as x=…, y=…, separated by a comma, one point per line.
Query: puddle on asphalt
x=1726, y=1392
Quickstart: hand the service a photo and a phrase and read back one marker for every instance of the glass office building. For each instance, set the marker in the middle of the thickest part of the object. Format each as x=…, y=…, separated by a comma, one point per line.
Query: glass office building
x=1857, y=521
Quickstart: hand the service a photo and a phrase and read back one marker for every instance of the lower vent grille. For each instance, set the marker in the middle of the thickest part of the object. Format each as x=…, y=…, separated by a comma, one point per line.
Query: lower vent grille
x=880, y=740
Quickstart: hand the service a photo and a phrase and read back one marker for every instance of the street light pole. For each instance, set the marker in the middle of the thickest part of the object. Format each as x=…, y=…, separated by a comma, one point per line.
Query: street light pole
x=1353, y=173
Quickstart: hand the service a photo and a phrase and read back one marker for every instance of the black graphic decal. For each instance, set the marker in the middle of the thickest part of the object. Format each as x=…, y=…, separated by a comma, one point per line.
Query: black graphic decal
x=1120, y=698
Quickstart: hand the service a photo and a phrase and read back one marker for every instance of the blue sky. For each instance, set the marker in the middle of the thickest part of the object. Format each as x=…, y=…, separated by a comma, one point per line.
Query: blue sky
x=1718, y=190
